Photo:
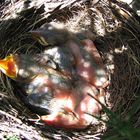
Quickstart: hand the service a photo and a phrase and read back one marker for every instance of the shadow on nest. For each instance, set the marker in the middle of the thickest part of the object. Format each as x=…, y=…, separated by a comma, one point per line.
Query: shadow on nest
x=116, y=29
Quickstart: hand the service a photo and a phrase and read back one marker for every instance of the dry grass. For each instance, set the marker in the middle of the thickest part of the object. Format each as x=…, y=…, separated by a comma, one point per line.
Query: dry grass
x=117, y=39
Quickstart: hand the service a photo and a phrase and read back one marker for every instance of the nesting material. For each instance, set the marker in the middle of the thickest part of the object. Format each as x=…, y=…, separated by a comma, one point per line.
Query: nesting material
x=115, y=31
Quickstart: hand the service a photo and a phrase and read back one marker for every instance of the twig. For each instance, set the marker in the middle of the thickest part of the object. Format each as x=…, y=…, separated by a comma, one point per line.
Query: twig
x=10, y=116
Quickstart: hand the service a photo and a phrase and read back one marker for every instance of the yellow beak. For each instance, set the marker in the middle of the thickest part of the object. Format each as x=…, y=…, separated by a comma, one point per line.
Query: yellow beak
x=39, y=35
x=8, y=66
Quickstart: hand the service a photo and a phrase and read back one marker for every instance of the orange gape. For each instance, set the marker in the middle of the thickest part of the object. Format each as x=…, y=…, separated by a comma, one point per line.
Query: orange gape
x=8, y=66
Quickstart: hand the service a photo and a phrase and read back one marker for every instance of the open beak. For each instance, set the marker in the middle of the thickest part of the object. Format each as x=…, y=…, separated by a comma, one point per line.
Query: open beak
x=8, y=66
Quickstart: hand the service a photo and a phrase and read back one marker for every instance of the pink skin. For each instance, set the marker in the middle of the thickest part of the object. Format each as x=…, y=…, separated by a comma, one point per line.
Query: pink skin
x=74, y=107
x=65, y=118
x=77, y=104
x=46, y=81
x=90, y=47
x=96, y=75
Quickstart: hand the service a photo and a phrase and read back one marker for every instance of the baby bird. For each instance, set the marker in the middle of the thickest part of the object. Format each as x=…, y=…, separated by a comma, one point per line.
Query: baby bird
x=51, y=34
x=54, y=33
x=35, y=79
x=63, y=59
x=64, y=82
x=52, y=94
x=25, y=69
x=74, y=109
x=89, y=64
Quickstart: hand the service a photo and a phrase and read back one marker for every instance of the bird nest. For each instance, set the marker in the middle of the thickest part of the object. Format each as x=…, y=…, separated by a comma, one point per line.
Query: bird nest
x=116, y=32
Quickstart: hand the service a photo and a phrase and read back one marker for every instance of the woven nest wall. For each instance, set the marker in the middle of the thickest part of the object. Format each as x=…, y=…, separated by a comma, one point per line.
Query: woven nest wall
x=117, y=37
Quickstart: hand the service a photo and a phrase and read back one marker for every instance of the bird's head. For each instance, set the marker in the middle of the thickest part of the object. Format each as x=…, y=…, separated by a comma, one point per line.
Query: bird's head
x=8, y=66
x=52, y=34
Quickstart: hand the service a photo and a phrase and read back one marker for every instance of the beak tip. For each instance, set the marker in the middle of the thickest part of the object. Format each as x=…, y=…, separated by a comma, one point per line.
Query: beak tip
x=8, y=66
